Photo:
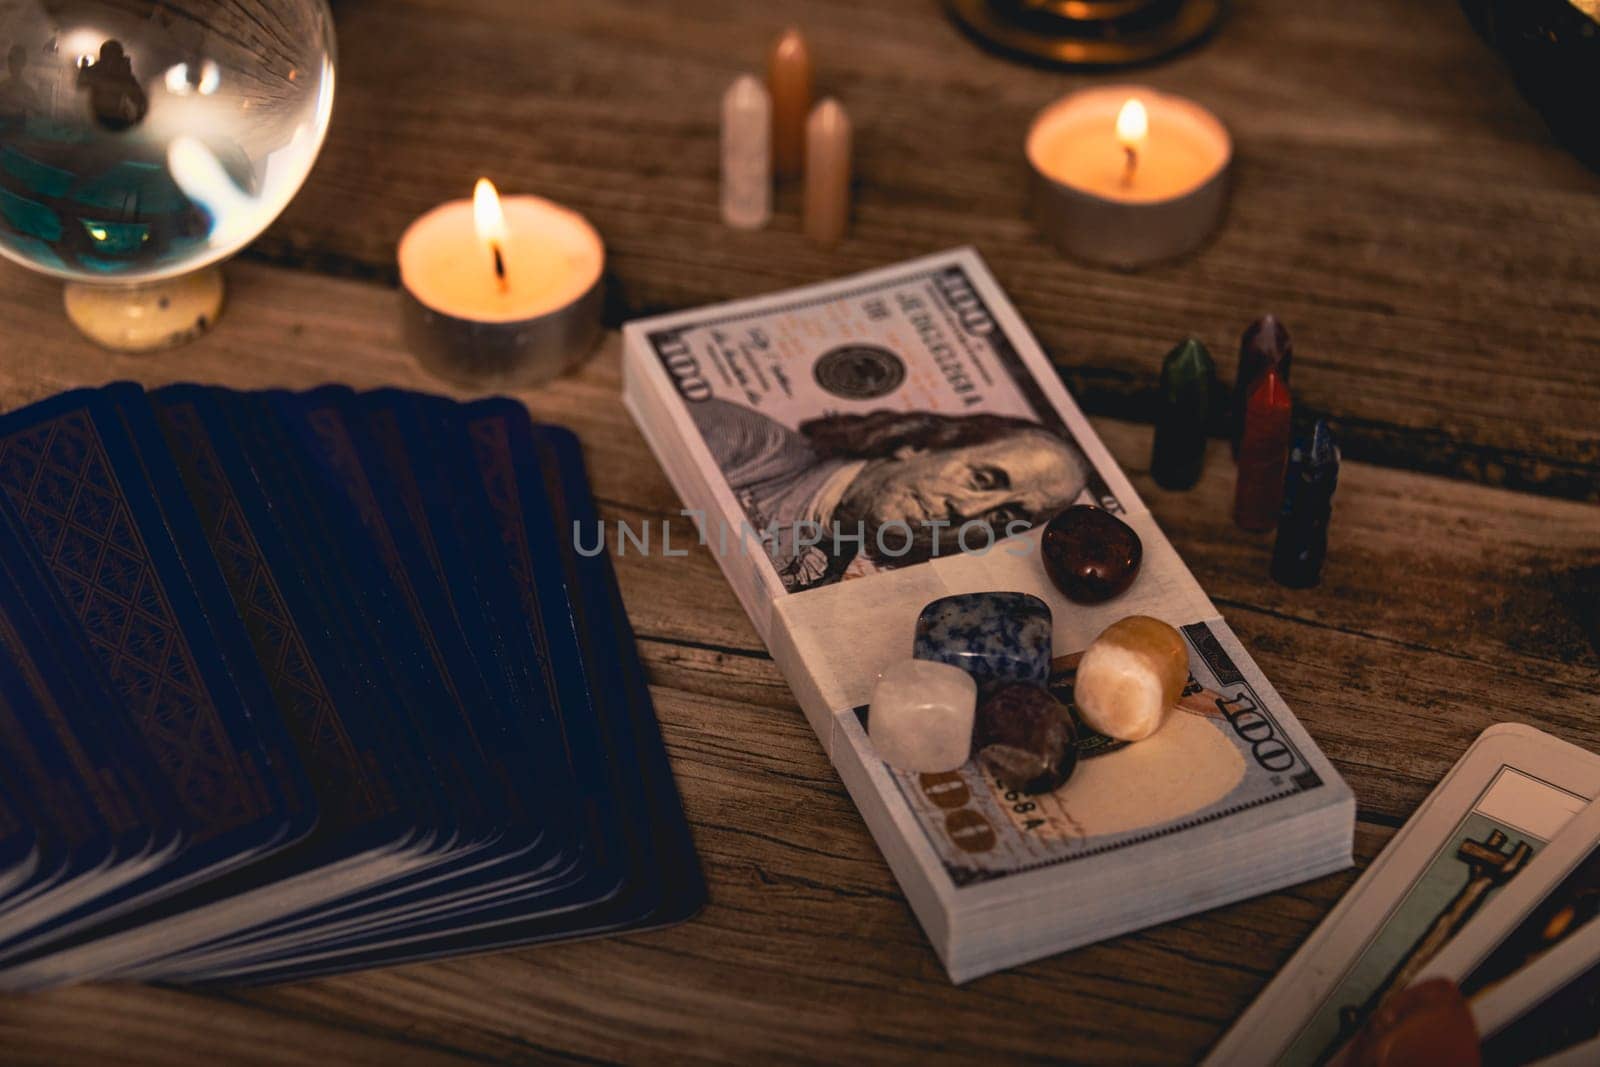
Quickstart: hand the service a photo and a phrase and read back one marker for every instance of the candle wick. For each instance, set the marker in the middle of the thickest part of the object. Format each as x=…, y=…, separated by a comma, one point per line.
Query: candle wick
x=499, y=266
x=1132, y=164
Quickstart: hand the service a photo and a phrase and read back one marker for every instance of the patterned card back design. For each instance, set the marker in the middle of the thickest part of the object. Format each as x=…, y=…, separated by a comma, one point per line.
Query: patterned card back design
x=105, y=787
x=58, y=478
x=10, y=824
x=341, y=773
x=490, y=442
x=52, y=791
x=491, y=446
x=340, y=451
x=386, y=432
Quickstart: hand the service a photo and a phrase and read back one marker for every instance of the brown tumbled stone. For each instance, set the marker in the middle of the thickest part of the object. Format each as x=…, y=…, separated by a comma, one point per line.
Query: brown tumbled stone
x=1090, y=554
x=1026, y=738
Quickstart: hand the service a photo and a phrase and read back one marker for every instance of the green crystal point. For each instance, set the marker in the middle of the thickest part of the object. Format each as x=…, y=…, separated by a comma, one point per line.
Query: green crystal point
x=1188, y=388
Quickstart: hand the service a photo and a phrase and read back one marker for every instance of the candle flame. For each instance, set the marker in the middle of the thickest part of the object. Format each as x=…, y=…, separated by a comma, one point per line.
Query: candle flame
x=487, y=216
x=490, y=221
x=1133, y=123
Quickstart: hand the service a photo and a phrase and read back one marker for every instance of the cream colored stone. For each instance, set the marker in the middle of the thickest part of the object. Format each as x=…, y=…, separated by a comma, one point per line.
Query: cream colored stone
x=1131, y=677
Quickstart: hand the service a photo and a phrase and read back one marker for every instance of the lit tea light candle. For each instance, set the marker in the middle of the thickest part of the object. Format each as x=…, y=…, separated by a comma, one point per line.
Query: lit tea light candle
x=501, y=291
x=1127, y=176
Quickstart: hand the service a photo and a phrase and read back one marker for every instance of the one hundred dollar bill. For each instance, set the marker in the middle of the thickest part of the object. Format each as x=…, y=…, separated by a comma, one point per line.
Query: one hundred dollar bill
x=881, y=416
x=1231, y=747
x=1230, y=799
x=854, y=450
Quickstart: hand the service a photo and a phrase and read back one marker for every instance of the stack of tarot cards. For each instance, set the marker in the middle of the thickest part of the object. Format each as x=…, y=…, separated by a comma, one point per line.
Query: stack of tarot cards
x=298, y=683
x=1493, y=884
x=855, y=450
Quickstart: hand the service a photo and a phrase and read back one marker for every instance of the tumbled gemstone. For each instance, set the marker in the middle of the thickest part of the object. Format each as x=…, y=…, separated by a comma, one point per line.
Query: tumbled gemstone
x=995, y=637
x=1131, y=677
x=921, y=716
x=1090, y=554
x=1026, y=738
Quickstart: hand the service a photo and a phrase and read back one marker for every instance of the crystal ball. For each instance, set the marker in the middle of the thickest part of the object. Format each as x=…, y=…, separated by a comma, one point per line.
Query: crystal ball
x=141, y=139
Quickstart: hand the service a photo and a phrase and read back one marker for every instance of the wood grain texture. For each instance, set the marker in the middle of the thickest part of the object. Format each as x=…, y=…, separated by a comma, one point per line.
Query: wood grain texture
x=1396, y=202
x=1445, y=606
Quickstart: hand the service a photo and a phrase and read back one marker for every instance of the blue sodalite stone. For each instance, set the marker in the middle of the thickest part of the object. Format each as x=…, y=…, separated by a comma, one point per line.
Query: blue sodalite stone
x=995, y=637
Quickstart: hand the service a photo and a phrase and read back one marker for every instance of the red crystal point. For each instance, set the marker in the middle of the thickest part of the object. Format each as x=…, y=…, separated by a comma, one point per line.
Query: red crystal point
x=1265, y=344
x=1263, y=453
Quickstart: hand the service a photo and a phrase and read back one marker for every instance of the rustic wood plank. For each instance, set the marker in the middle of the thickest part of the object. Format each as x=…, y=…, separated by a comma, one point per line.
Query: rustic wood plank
x=1397, y=203
x=806, y=947
x=1445, y=607
x=133, y=1025
x=1408, y=615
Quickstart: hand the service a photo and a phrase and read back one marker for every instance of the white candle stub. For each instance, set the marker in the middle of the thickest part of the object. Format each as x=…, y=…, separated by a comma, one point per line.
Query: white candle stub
x=501, y=292
x=1125, y=175
x=1083, y=140
x=551, y=257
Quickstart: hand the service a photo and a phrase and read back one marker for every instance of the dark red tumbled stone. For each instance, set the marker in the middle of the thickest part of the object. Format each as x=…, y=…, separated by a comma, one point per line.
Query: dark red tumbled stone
x=1090, y=554
x=1026, y=738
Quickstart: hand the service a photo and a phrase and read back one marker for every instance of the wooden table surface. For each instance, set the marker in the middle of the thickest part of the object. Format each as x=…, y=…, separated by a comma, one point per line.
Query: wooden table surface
x=1397, y=204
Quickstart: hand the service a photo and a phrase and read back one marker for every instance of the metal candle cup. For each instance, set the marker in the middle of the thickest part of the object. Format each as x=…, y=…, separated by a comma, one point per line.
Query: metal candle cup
x=512, y=301
x=1126, y=200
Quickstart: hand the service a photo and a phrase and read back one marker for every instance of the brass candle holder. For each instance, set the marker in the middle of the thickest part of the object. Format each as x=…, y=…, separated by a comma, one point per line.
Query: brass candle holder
x=1087, y=33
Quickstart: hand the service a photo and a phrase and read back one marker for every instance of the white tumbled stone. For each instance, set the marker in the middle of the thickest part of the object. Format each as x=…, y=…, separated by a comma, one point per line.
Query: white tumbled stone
x=921, y=716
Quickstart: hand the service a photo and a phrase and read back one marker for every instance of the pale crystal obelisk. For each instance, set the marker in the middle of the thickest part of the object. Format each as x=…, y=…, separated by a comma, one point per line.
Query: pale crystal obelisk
x=827, y=173
x=746, y=154
x=789, y=82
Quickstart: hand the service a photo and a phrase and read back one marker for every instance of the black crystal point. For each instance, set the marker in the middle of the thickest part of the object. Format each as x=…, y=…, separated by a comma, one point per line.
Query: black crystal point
x=1302, y=544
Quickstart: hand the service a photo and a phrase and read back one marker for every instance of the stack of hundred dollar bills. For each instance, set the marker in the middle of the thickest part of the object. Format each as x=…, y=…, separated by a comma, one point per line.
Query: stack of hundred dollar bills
x=853, y=450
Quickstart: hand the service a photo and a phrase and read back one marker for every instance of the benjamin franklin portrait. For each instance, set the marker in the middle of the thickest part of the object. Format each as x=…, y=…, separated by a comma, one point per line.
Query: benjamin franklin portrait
x=916, y=477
